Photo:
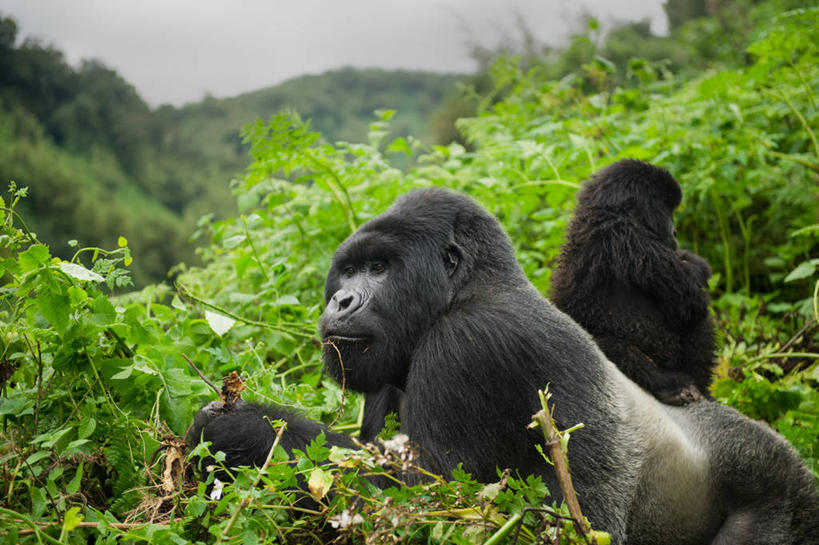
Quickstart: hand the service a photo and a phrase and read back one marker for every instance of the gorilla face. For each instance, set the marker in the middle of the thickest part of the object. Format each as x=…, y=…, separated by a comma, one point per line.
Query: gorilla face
x=382, y=292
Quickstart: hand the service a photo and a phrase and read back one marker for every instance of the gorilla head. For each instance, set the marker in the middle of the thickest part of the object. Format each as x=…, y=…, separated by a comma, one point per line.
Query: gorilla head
x=635, y=188
x=398, y=274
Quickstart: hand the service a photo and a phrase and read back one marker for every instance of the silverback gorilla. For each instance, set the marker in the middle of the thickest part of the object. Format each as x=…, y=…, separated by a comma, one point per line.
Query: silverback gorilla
x=428, y=303
x=621, y=277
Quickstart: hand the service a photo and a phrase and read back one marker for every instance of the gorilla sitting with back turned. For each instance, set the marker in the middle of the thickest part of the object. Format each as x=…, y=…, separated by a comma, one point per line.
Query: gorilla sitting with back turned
x=427, y=303
x=621, y=277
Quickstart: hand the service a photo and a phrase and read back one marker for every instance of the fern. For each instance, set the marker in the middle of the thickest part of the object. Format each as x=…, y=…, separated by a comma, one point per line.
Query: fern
x=119, y=454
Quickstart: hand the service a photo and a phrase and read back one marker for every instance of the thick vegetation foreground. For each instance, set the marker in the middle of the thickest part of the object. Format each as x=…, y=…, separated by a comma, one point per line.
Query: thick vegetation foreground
x=96, y=390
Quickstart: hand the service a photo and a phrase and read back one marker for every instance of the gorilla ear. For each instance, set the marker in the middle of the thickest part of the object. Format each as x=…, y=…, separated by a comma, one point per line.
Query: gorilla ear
x=452, y=258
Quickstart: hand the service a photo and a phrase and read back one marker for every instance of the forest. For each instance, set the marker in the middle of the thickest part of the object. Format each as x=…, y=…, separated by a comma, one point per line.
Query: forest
x=218, y=231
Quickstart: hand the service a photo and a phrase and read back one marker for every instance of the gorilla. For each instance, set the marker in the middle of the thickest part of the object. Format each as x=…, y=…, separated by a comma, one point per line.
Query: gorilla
x=428, y=313
x=621, y=277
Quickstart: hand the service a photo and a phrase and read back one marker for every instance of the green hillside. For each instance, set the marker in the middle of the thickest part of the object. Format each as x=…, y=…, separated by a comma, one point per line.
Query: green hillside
x=100, y=163
x=340, y=104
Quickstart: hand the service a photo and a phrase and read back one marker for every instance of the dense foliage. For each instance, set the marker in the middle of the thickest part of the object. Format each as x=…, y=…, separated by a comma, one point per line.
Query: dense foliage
x=93, y=383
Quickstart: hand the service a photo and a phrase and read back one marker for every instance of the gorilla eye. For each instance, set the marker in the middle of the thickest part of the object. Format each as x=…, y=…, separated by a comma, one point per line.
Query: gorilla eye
x=378, y=267
x=349, y=270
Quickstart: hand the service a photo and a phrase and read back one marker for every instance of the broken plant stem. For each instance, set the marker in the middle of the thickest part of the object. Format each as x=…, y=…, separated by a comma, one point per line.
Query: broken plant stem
x=543, y=418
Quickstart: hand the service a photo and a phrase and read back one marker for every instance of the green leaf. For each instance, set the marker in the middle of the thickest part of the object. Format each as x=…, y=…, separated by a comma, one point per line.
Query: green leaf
x=400, y=145
x=11, y=266
x=605, y=64
x=16, y=406
x=319, y=483
x=74, y=446
x=179, y=382
x=234, y=241
x=143, y=364
x=72, y=519
x=287, y=300
x=48, y=440
x=104, y=312
x=38, y=502
x=177, y=303
x=247, y=201
x=125, y=373
x=134, y=316
x=86, y=427
x=34, y=257
x=74, y=485
x=384, y=114
x=79, y=272
x=37, y=456
x=218, y=323
x=805, y=269
x=316, y=450
x=53, y=303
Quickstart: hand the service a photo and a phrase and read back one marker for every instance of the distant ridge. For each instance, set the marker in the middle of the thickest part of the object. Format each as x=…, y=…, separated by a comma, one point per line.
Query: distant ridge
x=100, y=163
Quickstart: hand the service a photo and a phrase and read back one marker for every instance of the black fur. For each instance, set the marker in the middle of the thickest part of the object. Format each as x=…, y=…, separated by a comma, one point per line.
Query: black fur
x=376, y=408
x=621, y=276
x=245, y=432
x=429, y=300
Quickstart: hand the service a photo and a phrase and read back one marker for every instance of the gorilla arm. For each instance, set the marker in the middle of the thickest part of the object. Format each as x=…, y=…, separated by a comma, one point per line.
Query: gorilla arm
x=245, y=432
x=673, y=279
x=698, y=267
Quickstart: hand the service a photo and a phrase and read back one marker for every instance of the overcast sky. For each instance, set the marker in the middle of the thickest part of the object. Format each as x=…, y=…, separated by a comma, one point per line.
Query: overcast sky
x=175, y=51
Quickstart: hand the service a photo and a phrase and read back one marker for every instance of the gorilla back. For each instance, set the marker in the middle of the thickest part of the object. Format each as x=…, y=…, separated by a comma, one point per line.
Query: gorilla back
x=621, y=276
x=427, y=303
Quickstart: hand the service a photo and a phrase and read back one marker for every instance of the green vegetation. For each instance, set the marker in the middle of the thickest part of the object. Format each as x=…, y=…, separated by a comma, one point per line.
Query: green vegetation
x=78, y=137
x=93, y=383
x=339, y=103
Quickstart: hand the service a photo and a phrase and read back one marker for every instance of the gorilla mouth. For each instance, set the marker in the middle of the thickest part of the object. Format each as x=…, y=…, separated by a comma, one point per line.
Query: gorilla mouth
x=333, y=338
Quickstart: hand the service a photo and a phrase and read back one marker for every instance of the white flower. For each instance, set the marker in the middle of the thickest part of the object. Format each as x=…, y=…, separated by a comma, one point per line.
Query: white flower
x=216, y=491
x=397, y=444
x=344, y=520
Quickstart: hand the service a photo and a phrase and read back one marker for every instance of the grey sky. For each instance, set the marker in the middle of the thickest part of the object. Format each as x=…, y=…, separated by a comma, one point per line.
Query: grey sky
x=174, y=51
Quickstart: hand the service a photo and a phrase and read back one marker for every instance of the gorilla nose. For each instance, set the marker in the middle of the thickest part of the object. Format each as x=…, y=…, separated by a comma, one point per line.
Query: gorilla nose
x=345, y=302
